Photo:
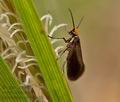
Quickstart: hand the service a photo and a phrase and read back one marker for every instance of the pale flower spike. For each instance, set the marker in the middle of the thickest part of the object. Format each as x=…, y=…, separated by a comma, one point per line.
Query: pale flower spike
x=58, y=49
x=54, y=41
x=10, y=48
x=13, y=26
x=16, y=32
x=48, y=21
x=9, y=56
x=19, y=56
x=21, y=41
x=55, y=28
x=13, y=50
x=11, y=14
x=14, y=67
x=6, y=55
x=20, y=73
x=48, y=18
x=27, y=66
x=27, y=81
x=22, y=59
x=5, y=17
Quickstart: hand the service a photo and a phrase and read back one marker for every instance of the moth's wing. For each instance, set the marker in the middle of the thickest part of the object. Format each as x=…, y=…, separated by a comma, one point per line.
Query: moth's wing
x=75, y=65
x=79, y=53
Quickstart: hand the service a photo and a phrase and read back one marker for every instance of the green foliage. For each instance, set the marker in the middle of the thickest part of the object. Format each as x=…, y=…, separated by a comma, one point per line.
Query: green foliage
x=54, y=79
x=10, y=90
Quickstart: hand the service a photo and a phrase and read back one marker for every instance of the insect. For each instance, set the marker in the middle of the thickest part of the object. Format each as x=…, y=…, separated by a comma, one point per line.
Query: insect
x=75, y=64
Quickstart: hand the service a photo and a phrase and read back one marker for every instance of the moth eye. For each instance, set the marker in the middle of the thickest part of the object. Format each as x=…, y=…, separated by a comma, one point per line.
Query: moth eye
x=73, y=32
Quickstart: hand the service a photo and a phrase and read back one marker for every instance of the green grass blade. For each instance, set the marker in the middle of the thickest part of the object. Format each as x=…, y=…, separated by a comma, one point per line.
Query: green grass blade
x=10, y=90
x=54, y=79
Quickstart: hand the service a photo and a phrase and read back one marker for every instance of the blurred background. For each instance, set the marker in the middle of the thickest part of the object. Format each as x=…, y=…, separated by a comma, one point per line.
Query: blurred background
x=100, y=41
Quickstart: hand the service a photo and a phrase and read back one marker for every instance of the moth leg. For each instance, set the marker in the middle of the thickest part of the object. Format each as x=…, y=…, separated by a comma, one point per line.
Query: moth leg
x=65, y=40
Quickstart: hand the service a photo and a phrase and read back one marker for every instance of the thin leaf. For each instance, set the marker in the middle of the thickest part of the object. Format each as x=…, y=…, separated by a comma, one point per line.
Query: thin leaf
x=54, y=79
x=10, y=90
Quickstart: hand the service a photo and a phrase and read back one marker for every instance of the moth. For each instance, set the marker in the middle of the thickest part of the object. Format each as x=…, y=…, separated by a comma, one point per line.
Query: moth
x=75, y=64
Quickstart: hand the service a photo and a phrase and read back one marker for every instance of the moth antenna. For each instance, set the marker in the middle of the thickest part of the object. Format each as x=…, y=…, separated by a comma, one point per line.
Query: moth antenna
x=72, y=17
x=80, y=21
